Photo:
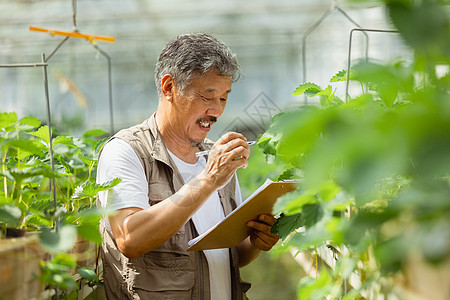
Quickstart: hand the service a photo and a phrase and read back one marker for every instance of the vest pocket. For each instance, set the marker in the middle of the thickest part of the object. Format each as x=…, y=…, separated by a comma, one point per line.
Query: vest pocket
x=158, y=191
x=163, y=273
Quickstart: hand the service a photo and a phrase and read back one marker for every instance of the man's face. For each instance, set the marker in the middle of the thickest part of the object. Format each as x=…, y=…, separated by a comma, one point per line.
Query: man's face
x=200, y=105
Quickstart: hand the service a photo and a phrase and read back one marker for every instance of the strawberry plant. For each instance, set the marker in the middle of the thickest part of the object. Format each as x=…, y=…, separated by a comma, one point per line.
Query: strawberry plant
x=373, y=168
x=58, y=202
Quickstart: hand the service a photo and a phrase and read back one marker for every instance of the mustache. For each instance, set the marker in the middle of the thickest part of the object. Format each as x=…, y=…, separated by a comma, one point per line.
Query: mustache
x=208, y=119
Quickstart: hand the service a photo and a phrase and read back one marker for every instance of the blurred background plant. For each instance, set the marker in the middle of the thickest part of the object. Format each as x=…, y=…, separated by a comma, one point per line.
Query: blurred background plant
x=373, y=168
x=27, y=201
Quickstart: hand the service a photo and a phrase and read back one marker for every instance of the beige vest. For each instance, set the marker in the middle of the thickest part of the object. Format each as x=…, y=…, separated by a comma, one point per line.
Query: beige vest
x=168, y=272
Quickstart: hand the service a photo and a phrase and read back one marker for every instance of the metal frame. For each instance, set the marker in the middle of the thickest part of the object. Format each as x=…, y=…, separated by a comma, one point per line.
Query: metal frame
x=332, y=8
x=349, y=57
x=44, y=64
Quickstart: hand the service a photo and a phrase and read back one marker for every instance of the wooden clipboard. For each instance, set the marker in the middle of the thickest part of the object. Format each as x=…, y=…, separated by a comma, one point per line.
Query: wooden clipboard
x=233, y=229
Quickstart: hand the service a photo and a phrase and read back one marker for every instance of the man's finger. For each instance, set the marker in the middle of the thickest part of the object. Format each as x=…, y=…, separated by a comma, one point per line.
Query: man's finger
x=260, y=227
x=230, y=136
x=268, y=219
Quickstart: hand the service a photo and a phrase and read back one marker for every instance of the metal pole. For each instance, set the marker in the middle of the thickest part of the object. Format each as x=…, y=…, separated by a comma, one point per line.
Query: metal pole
x=57, y=48
x=111, y=112
x=349, y=56
x=49, y=123
x=74, y=14
x=308, y=32
x=315, y=25
x=31, y=65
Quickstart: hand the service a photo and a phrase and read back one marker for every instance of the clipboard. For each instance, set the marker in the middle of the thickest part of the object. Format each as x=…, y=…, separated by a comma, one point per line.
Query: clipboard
x=232, y=230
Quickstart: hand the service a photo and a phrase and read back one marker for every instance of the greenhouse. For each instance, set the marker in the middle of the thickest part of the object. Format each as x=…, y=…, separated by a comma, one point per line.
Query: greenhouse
x=324, y=174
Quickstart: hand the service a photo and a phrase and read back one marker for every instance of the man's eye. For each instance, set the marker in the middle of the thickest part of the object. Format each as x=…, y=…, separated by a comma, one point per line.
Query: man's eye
x=205, y=98
x=223, y=99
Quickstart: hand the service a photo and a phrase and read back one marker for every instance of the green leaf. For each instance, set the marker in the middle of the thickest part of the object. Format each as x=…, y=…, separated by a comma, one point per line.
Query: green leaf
x=287, y=224
x=291, y=173
x=7, y=119
x=328, y=191
x=90, y=189
x=315, y=289
x=312, y=214
x=60, y=241
x=381, y=79
x=67, y=167
x=268, y=143
x=57, y=271
x=10, y=213
x=310, y=89
x=30, y=122
x=326, y=92
x=326, y=97
x=38, y=221
x=19, y=175
x=90, y=232
x=30, y=146
x=391, y=254
x=64, y=259
x=84, y=159
x=93, y=213
x=292, y=203
x=87, y=274
x=65, y=140
x=339, y=76
x=94, y=133
x=42, y=133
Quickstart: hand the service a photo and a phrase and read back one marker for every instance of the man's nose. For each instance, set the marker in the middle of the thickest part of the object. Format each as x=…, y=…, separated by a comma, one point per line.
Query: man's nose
x=215, y=108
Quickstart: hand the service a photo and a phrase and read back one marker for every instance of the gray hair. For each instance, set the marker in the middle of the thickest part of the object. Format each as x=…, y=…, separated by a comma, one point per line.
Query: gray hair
x=191, y=56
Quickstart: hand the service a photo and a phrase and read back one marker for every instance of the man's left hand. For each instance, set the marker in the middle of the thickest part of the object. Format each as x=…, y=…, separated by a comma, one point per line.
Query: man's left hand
x=262, y=238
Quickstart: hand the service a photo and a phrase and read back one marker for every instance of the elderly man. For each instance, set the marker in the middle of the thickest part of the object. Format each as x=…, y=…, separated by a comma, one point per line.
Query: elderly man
x=168, y=195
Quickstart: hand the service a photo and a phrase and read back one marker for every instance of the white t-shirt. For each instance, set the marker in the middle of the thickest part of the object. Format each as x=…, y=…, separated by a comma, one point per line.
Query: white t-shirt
x=118, y=159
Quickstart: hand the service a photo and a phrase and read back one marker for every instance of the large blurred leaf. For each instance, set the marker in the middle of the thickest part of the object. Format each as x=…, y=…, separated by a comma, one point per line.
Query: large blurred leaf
x=424, y=25
x=56, y=272
x=294, y=202
x=60, y=241
x=381, y=79
x=315, y=289
x=10, y=213
x=90, y=231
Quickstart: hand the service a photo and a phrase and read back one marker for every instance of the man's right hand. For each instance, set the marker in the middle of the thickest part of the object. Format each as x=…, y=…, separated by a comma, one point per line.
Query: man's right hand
x=228, y=154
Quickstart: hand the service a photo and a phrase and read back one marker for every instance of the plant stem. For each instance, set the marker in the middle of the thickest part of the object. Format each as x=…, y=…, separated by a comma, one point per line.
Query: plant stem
x=12, y=193
x=5, y=183
x=317, y=267
x=91, y=166
x=22, y=221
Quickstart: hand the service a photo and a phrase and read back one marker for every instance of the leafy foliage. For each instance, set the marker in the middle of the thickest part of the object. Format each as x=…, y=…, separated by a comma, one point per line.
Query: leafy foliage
x=374, y=170
x=29, y=183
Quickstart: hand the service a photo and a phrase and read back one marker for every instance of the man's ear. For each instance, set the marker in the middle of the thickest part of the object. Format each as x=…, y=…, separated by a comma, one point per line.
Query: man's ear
x=167, y=86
